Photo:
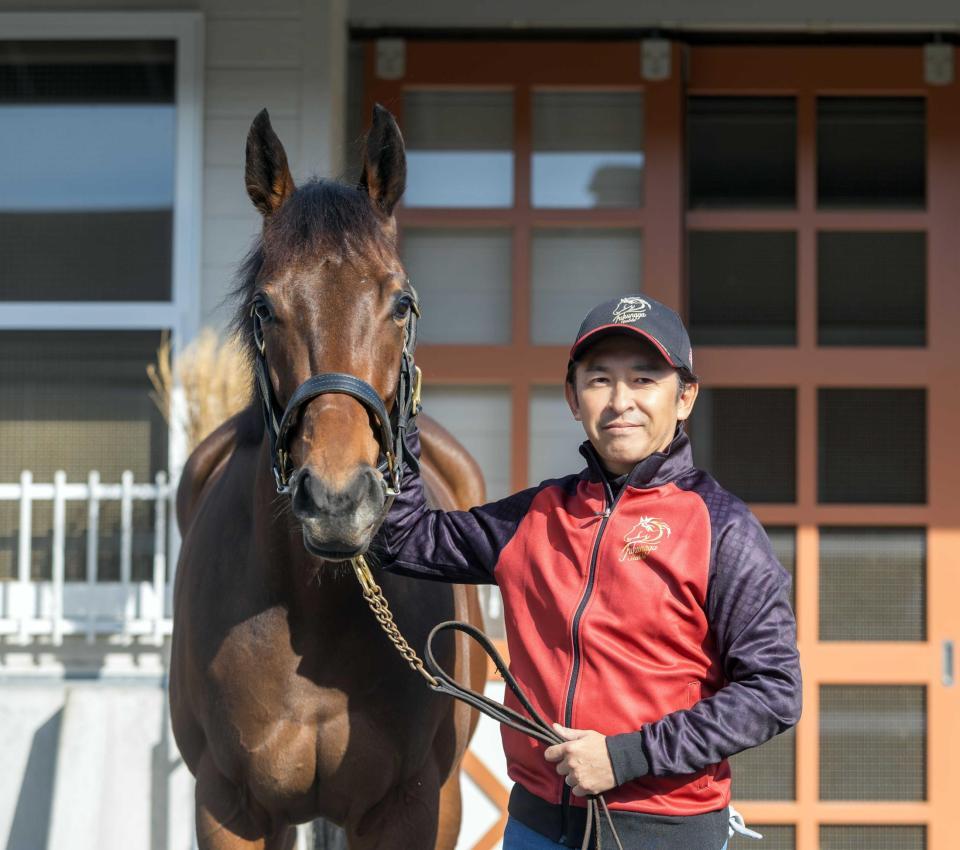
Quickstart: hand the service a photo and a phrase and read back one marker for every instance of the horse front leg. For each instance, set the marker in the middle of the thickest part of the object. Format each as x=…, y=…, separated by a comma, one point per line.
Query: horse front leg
x=228, y=820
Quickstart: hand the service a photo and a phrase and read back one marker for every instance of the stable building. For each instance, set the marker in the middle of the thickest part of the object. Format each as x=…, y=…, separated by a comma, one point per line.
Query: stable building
x=786, y=176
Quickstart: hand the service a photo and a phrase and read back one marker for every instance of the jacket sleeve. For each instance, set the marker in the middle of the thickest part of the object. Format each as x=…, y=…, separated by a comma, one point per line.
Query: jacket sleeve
x=748, y=606
x=454, y=546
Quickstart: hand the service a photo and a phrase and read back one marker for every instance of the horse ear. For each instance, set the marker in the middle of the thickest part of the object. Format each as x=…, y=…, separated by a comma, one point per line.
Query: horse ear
x=385, y=164
x=269, y=182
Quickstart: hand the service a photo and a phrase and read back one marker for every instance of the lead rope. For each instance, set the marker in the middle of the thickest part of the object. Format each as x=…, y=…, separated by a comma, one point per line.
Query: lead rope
x=440, y=681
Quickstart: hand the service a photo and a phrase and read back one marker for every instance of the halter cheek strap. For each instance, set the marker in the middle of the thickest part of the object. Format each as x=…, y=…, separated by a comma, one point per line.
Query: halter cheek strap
x=391, y=427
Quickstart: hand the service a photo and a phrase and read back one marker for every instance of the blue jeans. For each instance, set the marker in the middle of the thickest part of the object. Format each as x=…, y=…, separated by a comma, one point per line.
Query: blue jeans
x=520, y=837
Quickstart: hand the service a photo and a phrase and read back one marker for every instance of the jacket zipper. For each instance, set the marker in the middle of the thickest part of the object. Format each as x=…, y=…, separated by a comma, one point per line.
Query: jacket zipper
x=611, y=503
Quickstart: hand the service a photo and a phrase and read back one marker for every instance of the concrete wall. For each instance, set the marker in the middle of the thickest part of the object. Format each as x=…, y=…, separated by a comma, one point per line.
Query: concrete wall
x=91, y=766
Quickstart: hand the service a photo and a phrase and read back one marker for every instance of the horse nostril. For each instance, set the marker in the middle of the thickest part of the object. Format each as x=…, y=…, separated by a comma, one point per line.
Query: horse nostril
x=305, y=495
x=367, y=485
x=313, y=499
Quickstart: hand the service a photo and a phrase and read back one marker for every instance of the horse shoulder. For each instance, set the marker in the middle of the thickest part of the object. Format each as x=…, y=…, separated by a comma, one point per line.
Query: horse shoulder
x=208, y=458
x=458, y=473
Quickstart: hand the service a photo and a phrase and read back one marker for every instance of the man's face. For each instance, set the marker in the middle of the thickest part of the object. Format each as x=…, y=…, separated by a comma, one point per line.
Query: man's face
x=625, y=395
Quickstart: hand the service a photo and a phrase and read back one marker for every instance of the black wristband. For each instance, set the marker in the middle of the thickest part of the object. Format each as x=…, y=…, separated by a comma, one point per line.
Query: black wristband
x=627, y=756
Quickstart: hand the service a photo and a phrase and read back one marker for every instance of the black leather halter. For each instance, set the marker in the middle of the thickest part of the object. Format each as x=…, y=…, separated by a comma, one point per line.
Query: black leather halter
x=391, y=427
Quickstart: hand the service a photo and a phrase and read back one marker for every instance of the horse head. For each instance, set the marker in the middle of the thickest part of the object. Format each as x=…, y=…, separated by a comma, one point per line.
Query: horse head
x=328, y=316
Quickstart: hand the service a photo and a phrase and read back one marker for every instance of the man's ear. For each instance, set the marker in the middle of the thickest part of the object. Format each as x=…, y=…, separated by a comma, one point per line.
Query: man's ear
x=687, y=399
x=570, y=391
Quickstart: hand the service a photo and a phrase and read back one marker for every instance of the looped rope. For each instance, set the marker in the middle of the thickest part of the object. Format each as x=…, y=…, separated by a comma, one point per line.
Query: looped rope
x=536, y=726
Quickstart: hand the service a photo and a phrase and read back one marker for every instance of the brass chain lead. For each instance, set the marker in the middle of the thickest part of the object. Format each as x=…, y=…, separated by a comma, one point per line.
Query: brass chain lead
x=381, y=610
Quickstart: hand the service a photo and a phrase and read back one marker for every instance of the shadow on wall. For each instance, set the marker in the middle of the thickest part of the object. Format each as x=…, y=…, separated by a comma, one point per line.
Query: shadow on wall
x=31, y=818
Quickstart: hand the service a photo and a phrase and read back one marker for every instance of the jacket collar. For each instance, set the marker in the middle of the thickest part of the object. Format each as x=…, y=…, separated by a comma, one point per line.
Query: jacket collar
x=654, y=470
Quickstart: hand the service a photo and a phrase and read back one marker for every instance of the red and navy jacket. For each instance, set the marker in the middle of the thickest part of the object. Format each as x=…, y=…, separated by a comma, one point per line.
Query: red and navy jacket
x=654, y=612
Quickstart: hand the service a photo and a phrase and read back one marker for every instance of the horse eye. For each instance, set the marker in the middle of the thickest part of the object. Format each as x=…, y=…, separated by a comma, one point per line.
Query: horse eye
x=262, y=311
x=402, y=308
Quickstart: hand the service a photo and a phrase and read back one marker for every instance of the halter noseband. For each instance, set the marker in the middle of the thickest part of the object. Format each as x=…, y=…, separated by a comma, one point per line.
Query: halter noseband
x=391, y=428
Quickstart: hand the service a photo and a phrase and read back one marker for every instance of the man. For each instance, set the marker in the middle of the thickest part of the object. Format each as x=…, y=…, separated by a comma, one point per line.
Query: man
x=644, y=608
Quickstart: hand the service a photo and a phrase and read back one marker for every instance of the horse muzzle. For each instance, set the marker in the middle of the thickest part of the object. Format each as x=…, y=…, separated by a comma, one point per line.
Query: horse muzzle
x=338, y=524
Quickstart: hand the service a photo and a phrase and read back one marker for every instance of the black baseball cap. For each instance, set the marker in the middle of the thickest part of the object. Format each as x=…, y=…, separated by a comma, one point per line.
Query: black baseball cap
x=641, y=315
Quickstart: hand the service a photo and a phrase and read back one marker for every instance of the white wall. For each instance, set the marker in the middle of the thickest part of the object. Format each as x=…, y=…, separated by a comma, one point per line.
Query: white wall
x=937, y=14
x=290, y=57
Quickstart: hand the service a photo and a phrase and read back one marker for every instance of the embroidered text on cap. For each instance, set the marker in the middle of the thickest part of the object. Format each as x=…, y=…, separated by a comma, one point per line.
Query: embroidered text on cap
x=630, y=309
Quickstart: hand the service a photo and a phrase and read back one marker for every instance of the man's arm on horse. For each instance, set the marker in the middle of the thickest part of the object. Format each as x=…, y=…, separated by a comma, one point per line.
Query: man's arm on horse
x=454, y=546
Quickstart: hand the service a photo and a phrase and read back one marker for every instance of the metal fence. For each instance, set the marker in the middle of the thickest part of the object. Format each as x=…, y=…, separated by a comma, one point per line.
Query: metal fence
x=124, y=605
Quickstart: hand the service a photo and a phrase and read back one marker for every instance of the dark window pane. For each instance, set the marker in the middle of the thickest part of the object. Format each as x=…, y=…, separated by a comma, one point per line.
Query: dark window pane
x=873, y=741
x=587, y=149
x=79, y=401
x=766, y=772
x=872, y=583
x=873, y=838
x=742, y=151
x=87, y=170
x=743, y=288
x=87, y=71
x=871, y=152
x=872, y=288
x=775, y=837
x=88, y=255
x=872, y=446
x=459, y=148
x=746, y=439
x=783, y=539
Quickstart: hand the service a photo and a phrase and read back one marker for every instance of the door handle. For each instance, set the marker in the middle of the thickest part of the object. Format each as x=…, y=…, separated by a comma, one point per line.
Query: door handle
x=946, y=659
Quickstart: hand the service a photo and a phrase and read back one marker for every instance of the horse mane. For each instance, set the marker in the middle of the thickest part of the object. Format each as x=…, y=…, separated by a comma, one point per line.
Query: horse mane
x=321, y=216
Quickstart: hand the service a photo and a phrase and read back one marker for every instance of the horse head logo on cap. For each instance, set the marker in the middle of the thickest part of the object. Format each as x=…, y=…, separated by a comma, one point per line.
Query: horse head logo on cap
x=630, y=309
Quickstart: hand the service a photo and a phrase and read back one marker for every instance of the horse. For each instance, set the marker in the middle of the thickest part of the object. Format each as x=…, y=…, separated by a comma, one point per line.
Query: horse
x=287, y=701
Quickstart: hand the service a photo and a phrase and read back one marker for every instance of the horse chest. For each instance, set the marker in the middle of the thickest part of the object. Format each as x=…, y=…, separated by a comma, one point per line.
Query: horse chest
x=292, y=737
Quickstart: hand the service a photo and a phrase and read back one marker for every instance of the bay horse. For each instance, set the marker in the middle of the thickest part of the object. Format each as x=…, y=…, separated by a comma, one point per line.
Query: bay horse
x=288, y=703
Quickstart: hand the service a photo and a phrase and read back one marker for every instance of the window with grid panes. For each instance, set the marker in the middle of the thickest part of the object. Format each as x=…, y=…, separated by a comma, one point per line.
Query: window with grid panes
x=87, y=155
x=779, y=232
x=806, y=232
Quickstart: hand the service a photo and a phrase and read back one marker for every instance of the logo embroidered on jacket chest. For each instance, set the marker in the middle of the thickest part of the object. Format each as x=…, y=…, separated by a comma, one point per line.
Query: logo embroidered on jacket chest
x=643, y=538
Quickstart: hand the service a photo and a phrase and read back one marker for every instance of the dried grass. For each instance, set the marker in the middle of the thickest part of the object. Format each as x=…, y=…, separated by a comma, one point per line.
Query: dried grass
x=215, y=379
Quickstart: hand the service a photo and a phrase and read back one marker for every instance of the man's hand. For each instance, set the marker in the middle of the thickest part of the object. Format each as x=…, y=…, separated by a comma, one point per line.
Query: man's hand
x=583, y=760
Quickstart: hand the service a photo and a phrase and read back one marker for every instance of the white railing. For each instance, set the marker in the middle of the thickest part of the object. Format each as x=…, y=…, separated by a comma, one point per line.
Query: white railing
x=53, y=608
x=128, y=609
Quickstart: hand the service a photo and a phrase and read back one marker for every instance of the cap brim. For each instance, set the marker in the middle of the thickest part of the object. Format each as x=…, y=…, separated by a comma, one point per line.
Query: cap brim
x=610, y=330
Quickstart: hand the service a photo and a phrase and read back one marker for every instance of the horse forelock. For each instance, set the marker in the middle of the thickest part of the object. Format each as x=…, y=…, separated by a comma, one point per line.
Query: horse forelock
x=323, y=218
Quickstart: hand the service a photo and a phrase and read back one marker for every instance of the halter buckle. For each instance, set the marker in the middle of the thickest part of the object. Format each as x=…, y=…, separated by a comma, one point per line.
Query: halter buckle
x=393, y=488
x=280, y=472
x=415, y=405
